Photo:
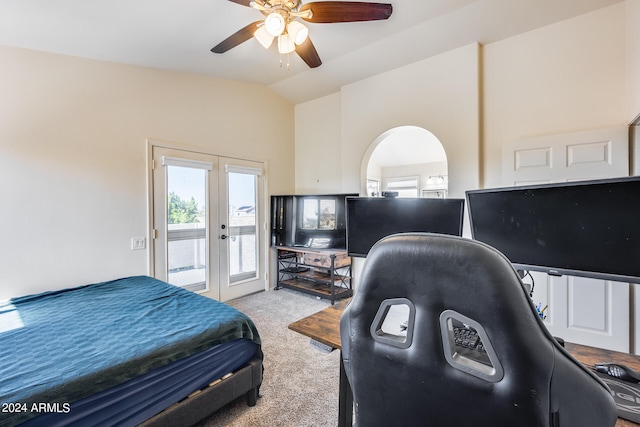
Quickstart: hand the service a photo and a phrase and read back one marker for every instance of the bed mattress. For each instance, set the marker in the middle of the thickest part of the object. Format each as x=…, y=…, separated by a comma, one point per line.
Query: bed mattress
x=58, y=348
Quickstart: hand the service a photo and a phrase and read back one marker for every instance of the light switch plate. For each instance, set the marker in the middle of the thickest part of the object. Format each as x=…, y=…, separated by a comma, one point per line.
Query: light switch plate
x=138, y=243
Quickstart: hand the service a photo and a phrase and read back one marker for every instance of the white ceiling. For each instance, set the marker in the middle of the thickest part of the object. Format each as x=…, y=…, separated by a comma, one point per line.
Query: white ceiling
x=178, y=35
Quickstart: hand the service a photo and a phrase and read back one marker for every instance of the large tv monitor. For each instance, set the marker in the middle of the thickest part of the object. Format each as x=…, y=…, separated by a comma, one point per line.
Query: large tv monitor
x=585, y=228
x=369, y=219
x=311, y=221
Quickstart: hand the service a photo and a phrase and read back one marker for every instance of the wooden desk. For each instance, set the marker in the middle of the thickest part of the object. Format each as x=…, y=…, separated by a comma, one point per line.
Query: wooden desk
x=324, y=326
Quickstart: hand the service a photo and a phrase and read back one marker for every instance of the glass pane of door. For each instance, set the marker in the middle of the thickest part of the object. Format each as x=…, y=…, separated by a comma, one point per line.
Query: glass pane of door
x=187, y=227
x=243, y=242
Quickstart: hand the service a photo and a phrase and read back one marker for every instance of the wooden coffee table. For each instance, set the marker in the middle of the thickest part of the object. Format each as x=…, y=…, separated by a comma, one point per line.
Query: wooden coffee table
x=324, y=327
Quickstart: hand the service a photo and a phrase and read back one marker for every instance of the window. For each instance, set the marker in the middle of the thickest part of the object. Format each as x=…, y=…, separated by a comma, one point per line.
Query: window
x=405, y=186
x=319, y=214
x=242, y=220
x=186, y=225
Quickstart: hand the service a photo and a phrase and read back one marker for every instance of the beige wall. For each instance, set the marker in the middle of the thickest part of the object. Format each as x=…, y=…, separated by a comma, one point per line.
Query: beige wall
x=633, y=57
x=73, y=158
x=575, y=75
x=318, y=159
x=439, y=94
x=566, y=77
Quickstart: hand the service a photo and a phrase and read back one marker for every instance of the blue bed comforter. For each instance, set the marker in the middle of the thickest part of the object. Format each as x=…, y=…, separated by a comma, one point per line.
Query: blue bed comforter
x=58, y=347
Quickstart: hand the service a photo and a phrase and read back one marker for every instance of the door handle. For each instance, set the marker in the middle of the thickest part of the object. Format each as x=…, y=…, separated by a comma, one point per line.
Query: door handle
x=222, y=236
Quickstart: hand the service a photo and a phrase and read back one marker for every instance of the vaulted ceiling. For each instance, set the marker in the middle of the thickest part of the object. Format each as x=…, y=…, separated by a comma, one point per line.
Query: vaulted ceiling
x=177, y=35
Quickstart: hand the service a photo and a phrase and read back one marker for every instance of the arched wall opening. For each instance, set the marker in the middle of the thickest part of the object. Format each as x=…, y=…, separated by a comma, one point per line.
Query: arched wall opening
x=409, y=160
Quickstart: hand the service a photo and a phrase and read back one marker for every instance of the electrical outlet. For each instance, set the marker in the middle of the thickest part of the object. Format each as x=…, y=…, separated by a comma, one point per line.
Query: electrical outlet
x=138, y=243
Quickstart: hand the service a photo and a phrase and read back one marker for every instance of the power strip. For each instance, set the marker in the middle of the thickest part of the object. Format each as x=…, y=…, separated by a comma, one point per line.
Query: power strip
x=322, y=347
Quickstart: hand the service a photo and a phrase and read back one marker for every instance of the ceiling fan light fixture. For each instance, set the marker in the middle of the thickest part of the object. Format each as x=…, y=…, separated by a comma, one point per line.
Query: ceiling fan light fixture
x=274, y=23
x=263, y=36
x=278, y=21
x=285, y=44
x=297, y=31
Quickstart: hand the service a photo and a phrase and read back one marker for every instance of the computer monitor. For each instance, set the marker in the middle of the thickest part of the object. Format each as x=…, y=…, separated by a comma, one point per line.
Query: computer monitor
x=313, y=221
x=369, y=219
x=585, y=228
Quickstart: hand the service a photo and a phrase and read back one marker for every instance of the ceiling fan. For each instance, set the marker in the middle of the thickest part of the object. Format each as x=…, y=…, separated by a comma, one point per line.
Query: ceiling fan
x=281, y=23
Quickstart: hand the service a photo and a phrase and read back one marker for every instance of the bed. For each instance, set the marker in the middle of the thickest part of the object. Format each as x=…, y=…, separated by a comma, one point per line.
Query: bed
x=125, y=352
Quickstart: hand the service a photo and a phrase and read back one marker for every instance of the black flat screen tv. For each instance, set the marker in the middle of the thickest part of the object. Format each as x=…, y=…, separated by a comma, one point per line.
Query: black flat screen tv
x=310, y=221
x=369, y=219
x=585, y=228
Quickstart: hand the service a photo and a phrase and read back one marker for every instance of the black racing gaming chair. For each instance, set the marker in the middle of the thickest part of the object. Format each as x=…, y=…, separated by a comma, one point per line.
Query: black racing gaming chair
x=408, y=366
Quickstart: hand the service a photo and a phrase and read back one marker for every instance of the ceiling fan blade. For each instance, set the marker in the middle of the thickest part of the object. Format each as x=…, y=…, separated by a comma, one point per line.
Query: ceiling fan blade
x=236, y=38
x=242, y=2
x=307, y=51
x=346, y=11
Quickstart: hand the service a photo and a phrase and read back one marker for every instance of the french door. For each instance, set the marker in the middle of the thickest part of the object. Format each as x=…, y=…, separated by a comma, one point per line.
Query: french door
x=208, y=223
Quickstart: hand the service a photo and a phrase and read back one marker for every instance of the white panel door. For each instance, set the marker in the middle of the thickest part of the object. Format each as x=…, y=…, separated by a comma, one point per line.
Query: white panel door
x=581, y=310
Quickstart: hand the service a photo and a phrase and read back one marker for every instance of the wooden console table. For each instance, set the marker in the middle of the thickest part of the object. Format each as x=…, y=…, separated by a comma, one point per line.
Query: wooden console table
x=324, y=327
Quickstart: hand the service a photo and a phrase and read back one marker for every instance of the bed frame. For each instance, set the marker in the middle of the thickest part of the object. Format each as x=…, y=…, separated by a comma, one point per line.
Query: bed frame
x=200, y=404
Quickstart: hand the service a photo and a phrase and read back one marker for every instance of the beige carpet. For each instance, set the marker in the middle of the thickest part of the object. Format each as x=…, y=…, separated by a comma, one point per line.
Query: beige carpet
x=300, y=386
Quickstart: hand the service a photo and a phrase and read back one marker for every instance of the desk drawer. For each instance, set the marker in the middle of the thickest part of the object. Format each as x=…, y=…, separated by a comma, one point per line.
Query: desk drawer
x=322, y=260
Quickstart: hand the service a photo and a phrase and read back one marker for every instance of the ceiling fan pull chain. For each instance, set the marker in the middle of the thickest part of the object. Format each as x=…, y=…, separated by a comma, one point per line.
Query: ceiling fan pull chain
x=288, y=62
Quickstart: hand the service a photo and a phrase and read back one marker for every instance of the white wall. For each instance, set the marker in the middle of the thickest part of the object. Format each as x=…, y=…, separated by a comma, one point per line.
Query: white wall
x=578, y=74
x=566, y=77
x=73, y=158
x=318, y=159
x=439, y=94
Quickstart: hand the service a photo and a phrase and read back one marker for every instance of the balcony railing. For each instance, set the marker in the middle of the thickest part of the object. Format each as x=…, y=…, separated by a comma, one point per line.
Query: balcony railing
x=187, y=254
